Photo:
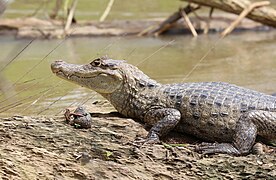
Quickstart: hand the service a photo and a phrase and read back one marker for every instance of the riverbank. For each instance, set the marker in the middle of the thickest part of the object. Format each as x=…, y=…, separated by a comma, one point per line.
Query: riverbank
x=47, y=148
x=48, y=29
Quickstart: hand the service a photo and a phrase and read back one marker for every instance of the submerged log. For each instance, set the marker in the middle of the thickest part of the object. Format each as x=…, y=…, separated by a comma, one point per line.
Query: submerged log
x=264, y=15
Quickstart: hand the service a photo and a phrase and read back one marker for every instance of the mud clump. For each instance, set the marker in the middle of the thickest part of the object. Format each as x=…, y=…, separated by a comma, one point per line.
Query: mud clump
x=48, y=148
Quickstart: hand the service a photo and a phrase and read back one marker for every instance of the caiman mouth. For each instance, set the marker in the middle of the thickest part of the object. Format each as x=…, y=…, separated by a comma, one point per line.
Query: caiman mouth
x=62, y=74
x=92, y=77
x=69, y=71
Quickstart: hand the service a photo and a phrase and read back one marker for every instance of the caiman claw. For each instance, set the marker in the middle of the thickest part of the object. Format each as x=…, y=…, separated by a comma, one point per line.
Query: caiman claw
x=150, y=139
x=213, y=148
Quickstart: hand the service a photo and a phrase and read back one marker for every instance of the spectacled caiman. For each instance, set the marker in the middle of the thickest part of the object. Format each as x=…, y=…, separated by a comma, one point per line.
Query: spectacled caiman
x=229, y=115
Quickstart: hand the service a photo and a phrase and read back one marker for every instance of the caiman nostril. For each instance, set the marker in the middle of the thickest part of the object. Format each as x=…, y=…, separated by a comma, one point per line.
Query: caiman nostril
x=56, y=66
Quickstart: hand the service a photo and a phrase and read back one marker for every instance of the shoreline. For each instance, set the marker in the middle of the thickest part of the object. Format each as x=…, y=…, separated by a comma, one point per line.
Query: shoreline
x=51, y=29
x=29, y=143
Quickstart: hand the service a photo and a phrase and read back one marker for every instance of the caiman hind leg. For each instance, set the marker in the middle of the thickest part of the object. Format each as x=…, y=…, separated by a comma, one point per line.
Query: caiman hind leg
x=162, y=121
x=245, y=135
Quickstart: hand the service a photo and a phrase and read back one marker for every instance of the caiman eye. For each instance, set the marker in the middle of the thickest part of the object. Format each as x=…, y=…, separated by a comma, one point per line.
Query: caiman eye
x=96, y=62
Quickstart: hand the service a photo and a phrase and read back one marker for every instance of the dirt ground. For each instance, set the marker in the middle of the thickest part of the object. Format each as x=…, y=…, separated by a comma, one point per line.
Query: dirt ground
x=48, y=148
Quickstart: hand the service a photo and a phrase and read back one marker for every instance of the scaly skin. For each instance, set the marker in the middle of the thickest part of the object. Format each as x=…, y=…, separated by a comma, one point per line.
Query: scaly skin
x=213, y=111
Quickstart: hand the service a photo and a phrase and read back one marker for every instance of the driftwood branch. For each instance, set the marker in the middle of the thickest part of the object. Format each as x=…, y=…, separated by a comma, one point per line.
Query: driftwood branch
x=264, y=15
x=171, y=20
x=57, y=7
x=244, y=13
x=190, y=25
x=107, y=10
x=207, y=27
x=70, y=16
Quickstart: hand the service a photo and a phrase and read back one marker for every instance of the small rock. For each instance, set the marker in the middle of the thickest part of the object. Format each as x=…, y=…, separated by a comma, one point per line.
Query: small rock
x=84, y=158
x=79, y=118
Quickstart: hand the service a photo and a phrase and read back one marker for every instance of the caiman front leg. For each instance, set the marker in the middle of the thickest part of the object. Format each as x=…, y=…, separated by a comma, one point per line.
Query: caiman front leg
x=243, y=140
x=162, y=121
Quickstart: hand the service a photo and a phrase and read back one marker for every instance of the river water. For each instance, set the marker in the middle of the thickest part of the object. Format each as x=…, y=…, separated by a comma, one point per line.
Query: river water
x=29, y=88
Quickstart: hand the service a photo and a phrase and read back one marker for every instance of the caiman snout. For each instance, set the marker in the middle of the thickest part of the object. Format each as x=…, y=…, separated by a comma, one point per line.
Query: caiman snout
x=56, y=66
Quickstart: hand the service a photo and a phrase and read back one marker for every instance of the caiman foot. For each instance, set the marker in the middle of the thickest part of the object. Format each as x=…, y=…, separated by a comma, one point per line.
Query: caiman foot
x=152, y=139
x=162, y=120
x=212, y=148
x=244, y=137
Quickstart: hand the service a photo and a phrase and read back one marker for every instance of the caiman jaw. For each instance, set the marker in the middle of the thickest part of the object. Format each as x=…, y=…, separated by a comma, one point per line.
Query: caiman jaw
x=102, y=80
x=57, y=68
x=66, y=71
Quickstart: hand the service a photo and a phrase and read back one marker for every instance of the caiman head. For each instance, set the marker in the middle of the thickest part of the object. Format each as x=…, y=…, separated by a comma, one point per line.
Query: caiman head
x=102, y=75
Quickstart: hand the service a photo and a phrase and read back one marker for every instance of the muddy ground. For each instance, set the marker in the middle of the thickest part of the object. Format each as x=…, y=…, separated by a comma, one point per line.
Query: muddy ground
x=48, y=148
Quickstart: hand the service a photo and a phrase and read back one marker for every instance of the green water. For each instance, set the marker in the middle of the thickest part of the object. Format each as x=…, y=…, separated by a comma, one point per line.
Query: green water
x=246, y=59
x=93, y=9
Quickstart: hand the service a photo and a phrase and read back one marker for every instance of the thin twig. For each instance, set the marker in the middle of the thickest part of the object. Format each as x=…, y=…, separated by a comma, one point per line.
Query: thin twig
x=11, y=107
x=130, y=53
x=48, y=107
x=70, y=16
x=145, y=31
x=23, y=90
x=48, y=90
x=70, y=105
x=37, y=9
x=187, y=20
x=60, y=111
x=8, y=107
x=108, y=46
x=86, y=99
x=107, y=10
x=201, y=59
x=39, y=62
x=82, y=101
x=17, y=103
x=17, y=55
x=162, y=47
x=207, y=27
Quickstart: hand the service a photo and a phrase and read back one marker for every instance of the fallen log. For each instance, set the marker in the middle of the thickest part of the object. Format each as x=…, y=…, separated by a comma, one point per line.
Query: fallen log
x=264, y=15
